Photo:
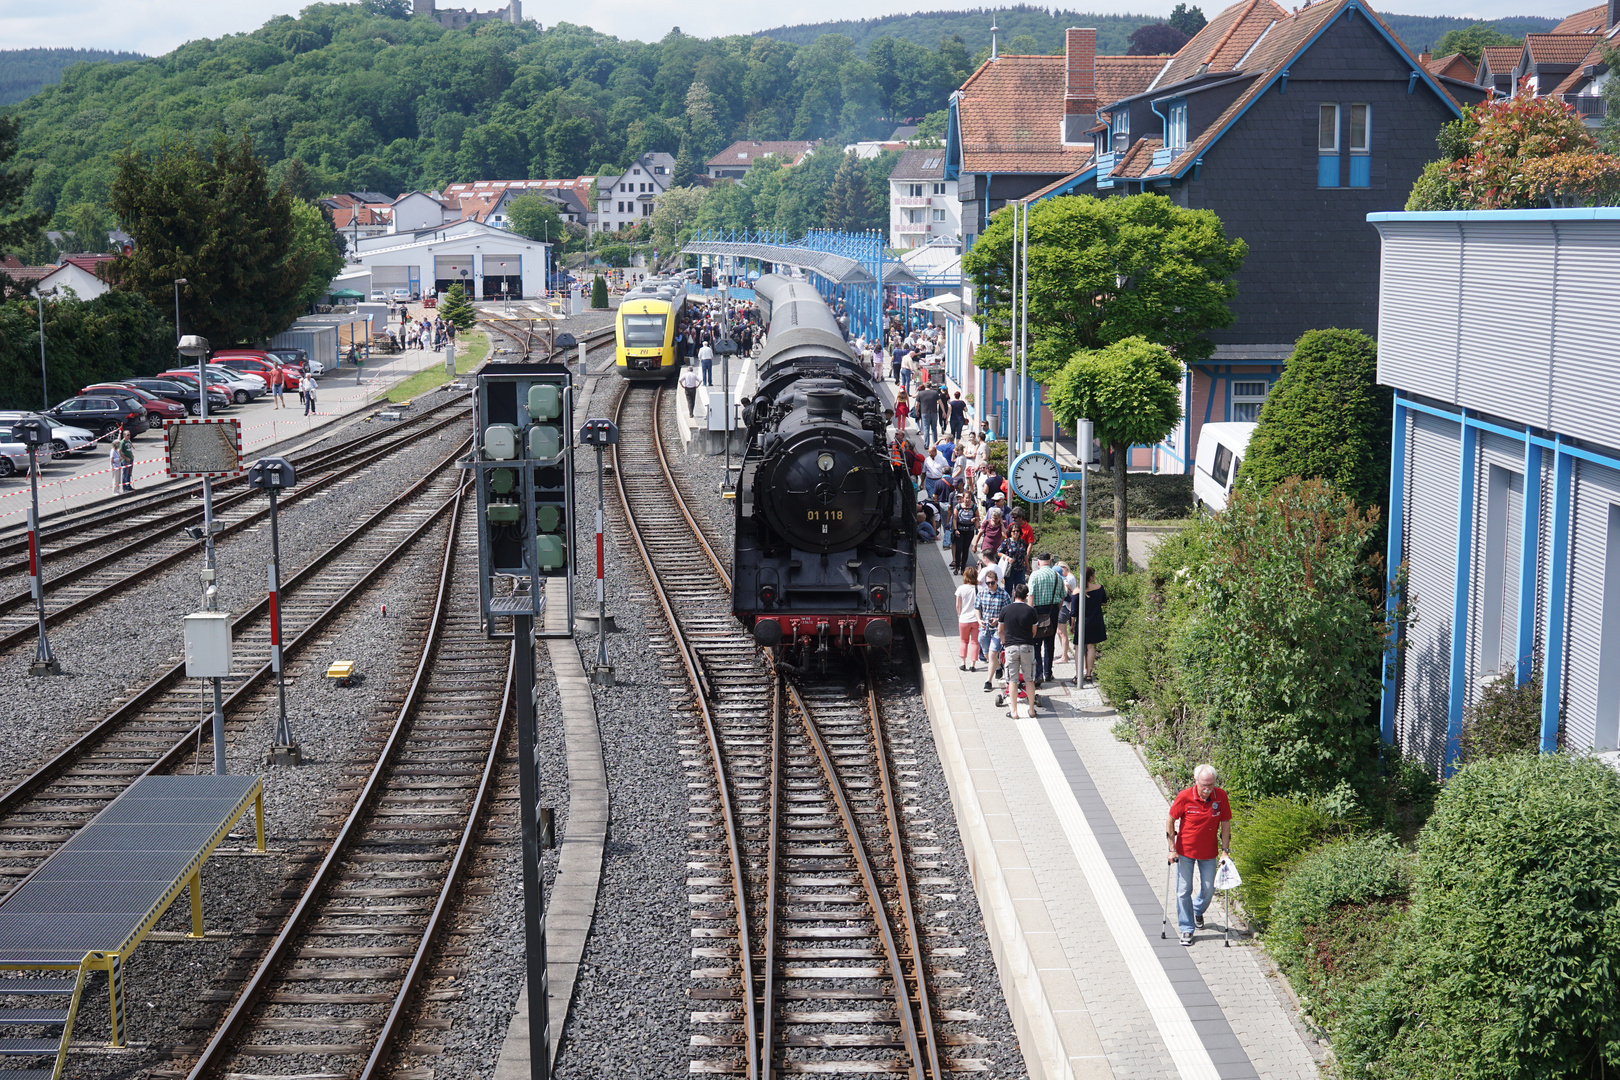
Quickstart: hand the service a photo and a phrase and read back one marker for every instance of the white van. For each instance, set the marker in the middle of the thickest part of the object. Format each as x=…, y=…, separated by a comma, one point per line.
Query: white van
x=1220, y=452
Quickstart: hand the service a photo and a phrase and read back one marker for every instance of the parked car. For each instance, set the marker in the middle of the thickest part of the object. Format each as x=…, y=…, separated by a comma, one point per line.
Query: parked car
x=182, y=392
x=239, y=389
x=297, y=359
x=379, y=297
x=254, y=381
x=101, y=413
x=157, y=409
x=66, y=439
x=1220, y=453
x=14, y=455
x=265, y=367
x=402, y=296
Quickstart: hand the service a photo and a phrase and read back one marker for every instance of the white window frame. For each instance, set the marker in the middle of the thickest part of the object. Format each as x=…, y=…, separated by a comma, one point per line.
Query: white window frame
x=939, y=213
x=1248, y=398
x=1366, y=128
x=1323, y=112
x=1176, y=126
x=939, y=189
x=1119, y=126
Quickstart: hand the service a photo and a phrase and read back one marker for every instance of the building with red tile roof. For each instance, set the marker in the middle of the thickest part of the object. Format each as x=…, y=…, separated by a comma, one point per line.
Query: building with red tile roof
x=734, y=161
x=1568, y=62
x=1594, y=20
x=1451, y=66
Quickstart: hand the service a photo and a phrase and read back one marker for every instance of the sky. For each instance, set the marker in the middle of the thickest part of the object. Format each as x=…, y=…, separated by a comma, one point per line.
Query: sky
x=157, y=26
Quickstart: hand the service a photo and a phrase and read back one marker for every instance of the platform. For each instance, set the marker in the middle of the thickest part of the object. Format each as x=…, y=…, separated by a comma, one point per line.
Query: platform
x=89, y=905
x=1064, y=830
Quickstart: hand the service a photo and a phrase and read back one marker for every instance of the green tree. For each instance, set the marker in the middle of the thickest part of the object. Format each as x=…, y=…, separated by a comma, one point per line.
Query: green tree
x=931, y=132
x=675, y=215
x=1189, y=20
x=315, y=239
x=1518, y=153
x=599, y=293
x=454, y=307
x=687, y=165
x=846, y=207
x=536, y=217
x=1504, y=965
x=295, y=177
x=389, y=9
x=1102, y=270
x=118, y=335
x=1471, y=41
x=17, y=230
x=87, y=225
x=1131, y=391
x=210, y=217
x=1286, y=658
x=1327, y=418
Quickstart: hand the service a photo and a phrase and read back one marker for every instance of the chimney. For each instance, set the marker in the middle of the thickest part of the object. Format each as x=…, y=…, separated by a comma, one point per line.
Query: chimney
x=1424, y=58
x=1080, y=82
x=1611, y=15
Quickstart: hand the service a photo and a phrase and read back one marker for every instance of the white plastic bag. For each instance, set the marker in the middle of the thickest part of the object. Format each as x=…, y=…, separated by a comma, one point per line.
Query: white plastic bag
x=1226, y=875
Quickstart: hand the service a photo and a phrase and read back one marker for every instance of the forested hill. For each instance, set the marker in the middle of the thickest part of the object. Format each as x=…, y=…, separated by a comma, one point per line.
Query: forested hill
x=369, y=102
x=1045, y=26
x=24, y=71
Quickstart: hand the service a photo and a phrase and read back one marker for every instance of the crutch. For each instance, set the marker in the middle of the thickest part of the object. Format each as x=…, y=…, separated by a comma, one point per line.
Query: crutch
x=1164, y=927
x=1226, y=943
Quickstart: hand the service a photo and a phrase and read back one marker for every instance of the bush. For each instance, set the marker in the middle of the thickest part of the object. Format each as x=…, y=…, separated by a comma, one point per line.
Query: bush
x=1326, y=419
x=1267, y=837
x=118, y=335
x=1286, y=653
x=1148, y=496
x=1504, y=968
x=1505, y=720
x=599, y=295
x=1353, y=870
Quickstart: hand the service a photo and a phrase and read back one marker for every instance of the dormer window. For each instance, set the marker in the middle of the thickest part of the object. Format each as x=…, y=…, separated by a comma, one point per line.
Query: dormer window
x=1120, y=129
x=1175, y=128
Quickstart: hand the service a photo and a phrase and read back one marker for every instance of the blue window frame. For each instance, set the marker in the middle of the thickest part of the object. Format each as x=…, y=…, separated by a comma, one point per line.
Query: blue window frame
x=1327, y=145
x=1360, y=140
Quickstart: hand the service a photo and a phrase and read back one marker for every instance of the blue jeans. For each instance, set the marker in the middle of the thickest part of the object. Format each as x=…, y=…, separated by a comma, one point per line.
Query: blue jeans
x=1186, y=906
x=989, y=641
x=708, y=373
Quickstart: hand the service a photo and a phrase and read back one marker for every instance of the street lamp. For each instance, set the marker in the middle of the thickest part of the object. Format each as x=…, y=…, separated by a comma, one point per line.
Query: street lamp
x=727, y=348
x=177, y=283
x=45, y=390
x=274, y=475
x=34, y=433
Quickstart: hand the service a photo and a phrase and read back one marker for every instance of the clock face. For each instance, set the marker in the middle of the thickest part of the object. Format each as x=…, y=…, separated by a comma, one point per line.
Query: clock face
x=1036, y=476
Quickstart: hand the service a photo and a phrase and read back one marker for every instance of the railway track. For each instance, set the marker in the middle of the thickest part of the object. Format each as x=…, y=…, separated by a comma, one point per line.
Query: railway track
x=165, y=723
x=336, y=985
x=122, y=547
x=527, y=338
x=809, y=953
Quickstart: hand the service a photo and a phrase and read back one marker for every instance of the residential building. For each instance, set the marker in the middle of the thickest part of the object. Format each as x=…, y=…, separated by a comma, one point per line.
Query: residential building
x=460, y=19
x=1292, y=127
x=486, y=200
x=1019, y=123
x=1567, y=63
x=734, y=161
x=923, y=206
x=417, y=211
x=80, y=273
x=625, y=200
x=1452, y=66
x=1505, y=480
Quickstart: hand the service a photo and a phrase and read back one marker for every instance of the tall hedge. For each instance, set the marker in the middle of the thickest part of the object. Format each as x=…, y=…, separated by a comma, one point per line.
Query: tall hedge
x=118, y=335
x=1326, y=419
x=599, y=295
x=1508, y=964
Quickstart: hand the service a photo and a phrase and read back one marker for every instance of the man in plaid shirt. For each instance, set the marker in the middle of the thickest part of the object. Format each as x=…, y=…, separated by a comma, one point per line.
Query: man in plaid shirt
x=992, y=598
x=1045, y=596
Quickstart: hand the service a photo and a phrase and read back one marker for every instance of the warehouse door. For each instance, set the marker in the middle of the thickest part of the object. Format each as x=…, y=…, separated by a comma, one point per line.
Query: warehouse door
x=448, y=270
x=503, y=270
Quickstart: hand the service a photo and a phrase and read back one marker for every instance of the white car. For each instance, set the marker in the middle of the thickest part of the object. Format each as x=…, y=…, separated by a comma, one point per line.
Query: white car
x=65, y=439
x=402, y=296
x=1220, y=454
x=14, y=456
x=242, y=387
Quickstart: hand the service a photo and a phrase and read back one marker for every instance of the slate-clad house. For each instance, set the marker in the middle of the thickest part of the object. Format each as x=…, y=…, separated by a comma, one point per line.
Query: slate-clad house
x=1293, y=127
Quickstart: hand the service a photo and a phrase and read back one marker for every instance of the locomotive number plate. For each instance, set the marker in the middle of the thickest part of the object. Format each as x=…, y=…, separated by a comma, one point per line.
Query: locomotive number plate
x=824, y=515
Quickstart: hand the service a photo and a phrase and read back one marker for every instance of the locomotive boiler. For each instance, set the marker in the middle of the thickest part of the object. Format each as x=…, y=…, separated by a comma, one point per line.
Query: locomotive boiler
x=826, y=547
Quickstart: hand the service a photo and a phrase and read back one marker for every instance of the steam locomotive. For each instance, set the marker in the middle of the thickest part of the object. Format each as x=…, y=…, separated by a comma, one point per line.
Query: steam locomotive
x=826, y=537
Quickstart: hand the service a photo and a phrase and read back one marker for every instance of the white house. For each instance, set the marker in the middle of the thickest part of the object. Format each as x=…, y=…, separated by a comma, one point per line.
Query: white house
x=923, y=206
x=77, y=272
x=480, y=257
x=623, y=201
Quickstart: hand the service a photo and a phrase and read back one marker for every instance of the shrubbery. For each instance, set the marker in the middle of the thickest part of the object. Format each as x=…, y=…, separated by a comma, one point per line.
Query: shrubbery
x=1505, y=966
x=1267, y=837
x=1353, y=870
x=599, y=294
x=118, y=335
x=1148, y=496
x=1505, y=720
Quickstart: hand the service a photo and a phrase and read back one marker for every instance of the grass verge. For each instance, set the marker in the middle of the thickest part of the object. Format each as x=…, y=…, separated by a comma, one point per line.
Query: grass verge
x=471, y=348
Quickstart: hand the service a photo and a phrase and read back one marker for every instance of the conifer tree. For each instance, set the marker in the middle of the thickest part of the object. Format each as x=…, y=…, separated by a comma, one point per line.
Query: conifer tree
x=455, y=308
x=846, y=198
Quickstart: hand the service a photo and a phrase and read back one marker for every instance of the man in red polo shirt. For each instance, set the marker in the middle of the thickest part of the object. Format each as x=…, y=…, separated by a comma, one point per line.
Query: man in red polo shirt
x=1202, y=811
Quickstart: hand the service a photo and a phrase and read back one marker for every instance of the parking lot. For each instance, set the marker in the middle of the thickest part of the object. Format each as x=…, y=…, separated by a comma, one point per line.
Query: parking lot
x=68, y=482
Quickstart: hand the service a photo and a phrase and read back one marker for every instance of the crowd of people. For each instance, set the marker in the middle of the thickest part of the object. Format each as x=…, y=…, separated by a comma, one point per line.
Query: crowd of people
x=702, y=324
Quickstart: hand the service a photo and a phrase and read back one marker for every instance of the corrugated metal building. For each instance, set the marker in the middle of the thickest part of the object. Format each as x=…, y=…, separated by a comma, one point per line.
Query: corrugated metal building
x=1496, y=330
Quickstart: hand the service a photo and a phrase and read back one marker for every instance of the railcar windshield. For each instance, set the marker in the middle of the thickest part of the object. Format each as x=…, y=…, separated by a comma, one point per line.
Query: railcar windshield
x=644, y=331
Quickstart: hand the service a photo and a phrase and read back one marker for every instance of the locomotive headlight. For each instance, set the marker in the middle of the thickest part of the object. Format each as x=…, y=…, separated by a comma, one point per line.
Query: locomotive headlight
x=825, y=462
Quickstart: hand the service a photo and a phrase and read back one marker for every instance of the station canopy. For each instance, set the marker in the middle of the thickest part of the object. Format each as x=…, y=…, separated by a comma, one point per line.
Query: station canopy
x=838, y=269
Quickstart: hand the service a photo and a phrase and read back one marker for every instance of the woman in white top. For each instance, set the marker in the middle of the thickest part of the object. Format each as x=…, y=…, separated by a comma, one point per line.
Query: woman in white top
x=967, y=618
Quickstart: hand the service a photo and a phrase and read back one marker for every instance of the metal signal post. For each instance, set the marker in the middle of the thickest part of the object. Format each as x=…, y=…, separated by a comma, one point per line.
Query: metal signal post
x=601, y=434
x=274, y=475
x=34, y=434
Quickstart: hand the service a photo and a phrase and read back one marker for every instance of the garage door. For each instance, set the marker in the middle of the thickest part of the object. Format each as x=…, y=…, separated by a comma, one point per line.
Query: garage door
x=389, y=278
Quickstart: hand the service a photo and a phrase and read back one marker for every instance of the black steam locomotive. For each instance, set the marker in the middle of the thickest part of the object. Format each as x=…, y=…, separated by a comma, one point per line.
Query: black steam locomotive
x=826, y=547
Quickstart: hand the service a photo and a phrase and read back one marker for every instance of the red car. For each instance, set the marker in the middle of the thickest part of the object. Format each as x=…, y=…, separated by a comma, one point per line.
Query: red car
x=257, y=363
x=157, y=409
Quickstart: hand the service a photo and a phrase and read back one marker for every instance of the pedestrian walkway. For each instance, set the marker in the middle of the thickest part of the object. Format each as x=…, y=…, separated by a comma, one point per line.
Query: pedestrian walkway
x=1064, y=829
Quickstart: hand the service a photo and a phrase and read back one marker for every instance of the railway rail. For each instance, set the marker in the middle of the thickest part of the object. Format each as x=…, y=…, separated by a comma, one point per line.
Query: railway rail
x=162, y=725
x=808, y=947
x=527, y=337
x=380, y=894
x=115, y=553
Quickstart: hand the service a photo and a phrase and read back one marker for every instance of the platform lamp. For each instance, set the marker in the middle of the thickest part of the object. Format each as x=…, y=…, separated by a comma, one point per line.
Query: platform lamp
x=194, y=346
x=35, y=433
x=274, y=475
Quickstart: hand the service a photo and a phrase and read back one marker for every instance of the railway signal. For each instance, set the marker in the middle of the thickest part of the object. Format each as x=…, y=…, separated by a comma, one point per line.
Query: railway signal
x=274, y=475
x=601, y=434
x=35, y=434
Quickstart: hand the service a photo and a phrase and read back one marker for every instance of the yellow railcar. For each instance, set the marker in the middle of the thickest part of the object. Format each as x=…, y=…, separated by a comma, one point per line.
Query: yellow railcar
x=644, y=329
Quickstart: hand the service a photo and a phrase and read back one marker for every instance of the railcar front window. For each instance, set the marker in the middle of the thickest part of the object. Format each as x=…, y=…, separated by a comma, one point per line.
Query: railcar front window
x=644, y=331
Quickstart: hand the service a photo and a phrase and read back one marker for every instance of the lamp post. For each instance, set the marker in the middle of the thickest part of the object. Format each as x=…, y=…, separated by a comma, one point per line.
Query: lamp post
x=192, y=345
x=274, y=475
x=177, y=283
x=727, y=348
x=44, y=388
x=33, y=434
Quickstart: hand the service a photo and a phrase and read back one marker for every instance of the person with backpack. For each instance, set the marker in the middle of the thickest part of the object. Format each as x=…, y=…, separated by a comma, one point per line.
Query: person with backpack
x=964, y=520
